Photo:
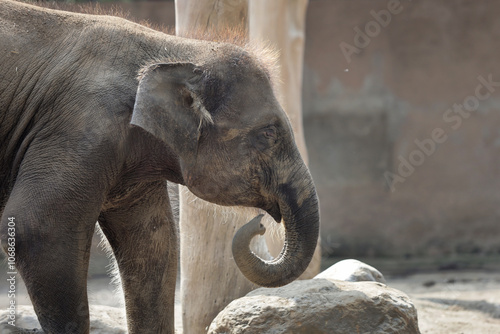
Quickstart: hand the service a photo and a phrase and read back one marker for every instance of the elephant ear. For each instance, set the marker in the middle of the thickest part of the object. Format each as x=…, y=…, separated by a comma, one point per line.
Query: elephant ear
x=169, y=106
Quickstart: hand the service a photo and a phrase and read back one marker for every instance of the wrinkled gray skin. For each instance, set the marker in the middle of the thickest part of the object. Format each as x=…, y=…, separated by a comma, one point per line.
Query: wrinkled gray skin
x=83, y=139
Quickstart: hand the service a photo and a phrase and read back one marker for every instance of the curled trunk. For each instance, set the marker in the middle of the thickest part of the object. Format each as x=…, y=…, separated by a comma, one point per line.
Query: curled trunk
x=301, y=219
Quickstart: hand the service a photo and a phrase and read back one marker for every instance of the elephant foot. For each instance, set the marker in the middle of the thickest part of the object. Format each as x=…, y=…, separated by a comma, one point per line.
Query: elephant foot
x=5, y=328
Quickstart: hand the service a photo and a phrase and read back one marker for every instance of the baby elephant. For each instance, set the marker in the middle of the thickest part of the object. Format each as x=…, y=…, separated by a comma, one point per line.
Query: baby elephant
x=96, y=115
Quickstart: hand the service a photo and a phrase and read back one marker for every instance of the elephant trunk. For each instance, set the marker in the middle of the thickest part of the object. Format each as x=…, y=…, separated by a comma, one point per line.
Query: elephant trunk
x=299, y=208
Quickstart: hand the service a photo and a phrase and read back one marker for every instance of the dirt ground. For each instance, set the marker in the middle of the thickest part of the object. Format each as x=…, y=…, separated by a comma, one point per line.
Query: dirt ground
x=448, y=302
x=454, y=302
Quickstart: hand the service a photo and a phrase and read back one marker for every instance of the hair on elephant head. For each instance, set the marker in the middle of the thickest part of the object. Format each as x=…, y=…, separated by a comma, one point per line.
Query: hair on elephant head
x=235, y=147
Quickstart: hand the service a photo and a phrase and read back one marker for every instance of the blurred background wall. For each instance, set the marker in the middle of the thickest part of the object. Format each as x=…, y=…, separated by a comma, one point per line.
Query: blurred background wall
x=402, y=122
x=394, y=106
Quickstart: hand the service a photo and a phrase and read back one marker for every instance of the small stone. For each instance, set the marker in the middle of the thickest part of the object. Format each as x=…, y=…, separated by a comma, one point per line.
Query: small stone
x=352, y=271
x=428, y=284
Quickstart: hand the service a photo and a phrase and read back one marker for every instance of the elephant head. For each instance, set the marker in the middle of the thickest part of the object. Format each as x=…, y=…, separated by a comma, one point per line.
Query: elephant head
x=235, y=146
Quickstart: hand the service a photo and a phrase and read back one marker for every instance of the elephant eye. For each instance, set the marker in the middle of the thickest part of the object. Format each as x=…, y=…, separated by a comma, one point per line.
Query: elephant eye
x=265, y=138
x=269, y=133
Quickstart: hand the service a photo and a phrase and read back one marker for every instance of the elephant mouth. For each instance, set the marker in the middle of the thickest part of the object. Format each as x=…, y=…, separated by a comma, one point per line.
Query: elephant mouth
x=274, y=211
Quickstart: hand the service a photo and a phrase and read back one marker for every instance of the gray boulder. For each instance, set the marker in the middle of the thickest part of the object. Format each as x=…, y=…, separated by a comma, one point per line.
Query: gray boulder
x=352, y=271
x=319, y=306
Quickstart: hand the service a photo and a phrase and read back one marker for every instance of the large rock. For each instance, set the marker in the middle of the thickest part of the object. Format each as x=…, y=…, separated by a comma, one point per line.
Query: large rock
x=103, y=319
x=319, y=306
x=352, y=271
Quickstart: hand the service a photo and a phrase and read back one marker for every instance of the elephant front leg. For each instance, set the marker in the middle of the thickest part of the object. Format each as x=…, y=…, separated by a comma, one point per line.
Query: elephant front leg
x=144, y=241
x=51, y=247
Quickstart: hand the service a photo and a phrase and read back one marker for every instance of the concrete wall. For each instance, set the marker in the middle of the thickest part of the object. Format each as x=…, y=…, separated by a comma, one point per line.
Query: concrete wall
x=400, y=84
x=381, y=76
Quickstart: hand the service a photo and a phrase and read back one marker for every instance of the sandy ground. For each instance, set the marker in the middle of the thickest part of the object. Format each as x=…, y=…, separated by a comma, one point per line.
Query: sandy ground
x=448, y=302
x=454, y=302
